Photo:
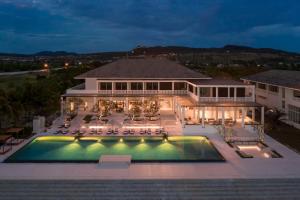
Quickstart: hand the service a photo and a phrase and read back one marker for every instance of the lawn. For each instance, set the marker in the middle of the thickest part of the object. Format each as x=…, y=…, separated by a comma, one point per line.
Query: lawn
x=287, y=135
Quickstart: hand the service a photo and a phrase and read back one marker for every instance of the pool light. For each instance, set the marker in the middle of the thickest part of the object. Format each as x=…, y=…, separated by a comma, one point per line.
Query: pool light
x=165, y=140
x=99, y=140
x=121, y=140
x=142, y=140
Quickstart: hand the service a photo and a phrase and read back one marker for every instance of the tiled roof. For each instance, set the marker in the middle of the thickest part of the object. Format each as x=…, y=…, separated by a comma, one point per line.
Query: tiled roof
x=286, y=78
x=148, y=68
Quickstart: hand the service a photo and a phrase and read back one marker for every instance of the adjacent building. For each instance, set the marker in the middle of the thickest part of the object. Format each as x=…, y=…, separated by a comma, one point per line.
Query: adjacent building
x=278, y=89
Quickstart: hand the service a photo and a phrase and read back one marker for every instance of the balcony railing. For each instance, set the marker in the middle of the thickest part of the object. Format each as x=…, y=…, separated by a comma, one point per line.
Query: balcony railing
x=225, y=99
x=139, y=92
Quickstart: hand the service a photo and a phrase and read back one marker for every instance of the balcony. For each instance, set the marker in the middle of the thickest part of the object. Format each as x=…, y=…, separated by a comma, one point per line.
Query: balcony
x=225, y=99
x=143, y=92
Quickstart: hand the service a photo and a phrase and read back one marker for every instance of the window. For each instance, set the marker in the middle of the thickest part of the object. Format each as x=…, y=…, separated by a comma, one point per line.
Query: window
x=204, y=92
x=121, y=86
x=273, y=88
x=223, y=92
x=296, y=93
x=136, y=86
x=283, y=104
x=165, y=85
x=261, y=86
x=240, y=92
x=105, y=86
x=179, y=86
x=191, y=88
x=294, y=114
x=152, y=86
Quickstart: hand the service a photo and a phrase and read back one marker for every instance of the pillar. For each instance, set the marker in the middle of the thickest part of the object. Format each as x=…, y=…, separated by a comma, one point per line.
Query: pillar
x=262, y=115
x=194, y=113
x=223, y=116
x=243, y=117
x=217, y=113
x=203, y=116
x=217, y=94
x=253, y=114
x=234, y=114
x=234, y=94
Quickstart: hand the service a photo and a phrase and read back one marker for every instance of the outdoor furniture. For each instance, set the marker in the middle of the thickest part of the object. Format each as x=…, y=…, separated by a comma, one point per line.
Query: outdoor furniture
x=109, y=132
x=6, y=143
x=132, y=132
x=243, y=154
x=125, y=132
x=142, y=132
x=157, y=132
x=116, y=131
x=149, y=131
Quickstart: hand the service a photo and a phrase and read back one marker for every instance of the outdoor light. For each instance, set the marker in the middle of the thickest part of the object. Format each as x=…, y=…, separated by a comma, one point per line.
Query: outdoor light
x=165, y=140
x=83, y=126
x=121, y=140
x=99, y=140
x=266, y=155
x=46, y=65
x=142, y=140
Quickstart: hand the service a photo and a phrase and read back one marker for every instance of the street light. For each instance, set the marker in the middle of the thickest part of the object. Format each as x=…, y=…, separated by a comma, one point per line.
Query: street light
x=66, y=65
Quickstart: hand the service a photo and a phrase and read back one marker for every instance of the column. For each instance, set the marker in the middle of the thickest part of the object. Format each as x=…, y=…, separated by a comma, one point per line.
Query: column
x=253, y=114
x=203, y=116
x=128, y=87
x=217, y=94
x=234, y=114
x=194, y=113
x=234, y=94
x=253, y=93
x=243, y=117
x=262, y=115
x=182, y=116
x=223, y=116
x=173, y=86
x=228, y=95
x=217, y=113
x=94, y=101
x=144, y=87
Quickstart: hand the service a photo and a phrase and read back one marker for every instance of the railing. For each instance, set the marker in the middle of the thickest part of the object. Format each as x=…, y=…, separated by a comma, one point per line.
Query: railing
x=137, y=92
x=225, y=99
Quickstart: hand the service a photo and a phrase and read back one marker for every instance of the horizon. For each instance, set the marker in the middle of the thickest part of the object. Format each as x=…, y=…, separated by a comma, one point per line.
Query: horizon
x=32, y=26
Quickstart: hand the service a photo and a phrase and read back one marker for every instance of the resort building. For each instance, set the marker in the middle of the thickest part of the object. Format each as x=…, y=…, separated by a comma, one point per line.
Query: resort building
x=156, y=92
x=278, y=89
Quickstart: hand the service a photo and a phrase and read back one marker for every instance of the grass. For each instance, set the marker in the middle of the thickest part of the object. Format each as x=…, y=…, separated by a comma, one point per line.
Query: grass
x=286, y=135
x=8, y=82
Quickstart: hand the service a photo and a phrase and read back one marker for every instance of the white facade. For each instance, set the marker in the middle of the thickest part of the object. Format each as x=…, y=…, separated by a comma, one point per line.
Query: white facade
x=281, y=98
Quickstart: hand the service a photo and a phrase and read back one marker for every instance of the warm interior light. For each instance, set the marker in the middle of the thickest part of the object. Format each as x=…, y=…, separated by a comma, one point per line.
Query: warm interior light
x=83, y=126
x=134, y=127
x=255, y=147
x=96, y=127
x=266, y=155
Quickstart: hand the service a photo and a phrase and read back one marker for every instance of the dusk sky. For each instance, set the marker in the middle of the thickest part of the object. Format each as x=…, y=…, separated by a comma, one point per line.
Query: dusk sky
x=28, y=26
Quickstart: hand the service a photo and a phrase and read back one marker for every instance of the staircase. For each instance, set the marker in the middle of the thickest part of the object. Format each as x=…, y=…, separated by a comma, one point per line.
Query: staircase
x=233, y=189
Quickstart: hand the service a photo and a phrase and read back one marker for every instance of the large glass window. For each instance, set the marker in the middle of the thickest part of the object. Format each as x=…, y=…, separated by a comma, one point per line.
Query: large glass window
x=296, y=93
x=136, y=86
x=240, y=92
x=273, y=88
x=151, y=86
x=121, y=86
x=204, y=92
x=223, y=92
x=179, y=86
x=261, y=86
x=105, y=85
x=191, y=88
x=165, y=85
x=294, y=114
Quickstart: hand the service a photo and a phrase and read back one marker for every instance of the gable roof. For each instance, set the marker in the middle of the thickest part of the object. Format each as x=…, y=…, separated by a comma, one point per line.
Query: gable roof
x=286, y=78
x=217, y=81
x=148, y=68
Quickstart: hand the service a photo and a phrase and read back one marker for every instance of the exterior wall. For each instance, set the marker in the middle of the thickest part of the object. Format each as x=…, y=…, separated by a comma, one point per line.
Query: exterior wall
x=91, y=84
x=278, y=100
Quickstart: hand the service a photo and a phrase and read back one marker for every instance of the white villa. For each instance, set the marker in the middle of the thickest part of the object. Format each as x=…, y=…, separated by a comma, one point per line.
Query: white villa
x=193, y=99
x=279, y=89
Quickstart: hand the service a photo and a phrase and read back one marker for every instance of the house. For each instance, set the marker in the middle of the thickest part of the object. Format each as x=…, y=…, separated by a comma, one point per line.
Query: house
x=193, y=98
x=278, y=89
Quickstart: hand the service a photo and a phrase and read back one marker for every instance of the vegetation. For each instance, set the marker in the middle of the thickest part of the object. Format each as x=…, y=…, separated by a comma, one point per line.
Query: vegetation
x=87, y=118
x=22, y=97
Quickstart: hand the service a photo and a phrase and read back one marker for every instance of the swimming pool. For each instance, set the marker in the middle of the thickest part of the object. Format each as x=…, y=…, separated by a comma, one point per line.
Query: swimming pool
x=67, y=149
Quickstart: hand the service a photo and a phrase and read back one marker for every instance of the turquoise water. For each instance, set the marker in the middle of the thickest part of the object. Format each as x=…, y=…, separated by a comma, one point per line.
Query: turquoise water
x=89, y=149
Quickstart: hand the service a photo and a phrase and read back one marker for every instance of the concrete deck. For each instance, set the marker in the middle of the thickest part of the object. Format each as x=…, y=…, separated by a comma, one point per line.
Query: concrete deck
x=234, y=167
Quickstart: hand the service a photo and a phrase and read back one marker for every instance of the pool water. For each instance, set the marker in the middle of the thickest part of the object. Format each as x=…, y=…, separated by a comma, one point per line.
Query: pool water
x=142, y=149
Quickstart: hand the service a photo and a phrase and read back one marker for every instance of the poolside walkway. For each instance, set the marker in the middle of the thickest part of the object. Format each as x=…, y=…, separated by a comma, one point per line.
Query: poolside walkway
x=234, y=167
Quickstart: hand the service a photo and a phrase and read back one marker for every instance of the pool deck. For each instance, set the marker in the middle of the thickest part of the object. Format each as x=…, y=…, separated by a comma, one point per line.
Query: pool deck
x=234, y=167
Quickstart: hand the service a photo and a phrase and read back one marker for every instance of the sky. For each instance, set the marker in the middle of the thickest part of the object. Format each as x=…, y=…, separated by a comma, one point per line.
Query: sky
x=83, y=26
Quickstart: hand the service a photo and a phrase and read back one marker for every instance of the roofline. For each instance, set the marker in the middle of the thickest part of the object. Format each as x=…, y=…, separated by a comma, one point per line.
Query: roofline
x=118, y=78
x=244, y=79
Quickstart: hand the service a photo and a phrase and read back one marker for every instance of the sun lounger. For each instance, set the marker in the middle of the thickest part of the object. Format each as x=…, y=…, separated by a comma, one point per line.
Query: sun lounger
x=125, y=132
x=132, y=132
x=243, y=154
